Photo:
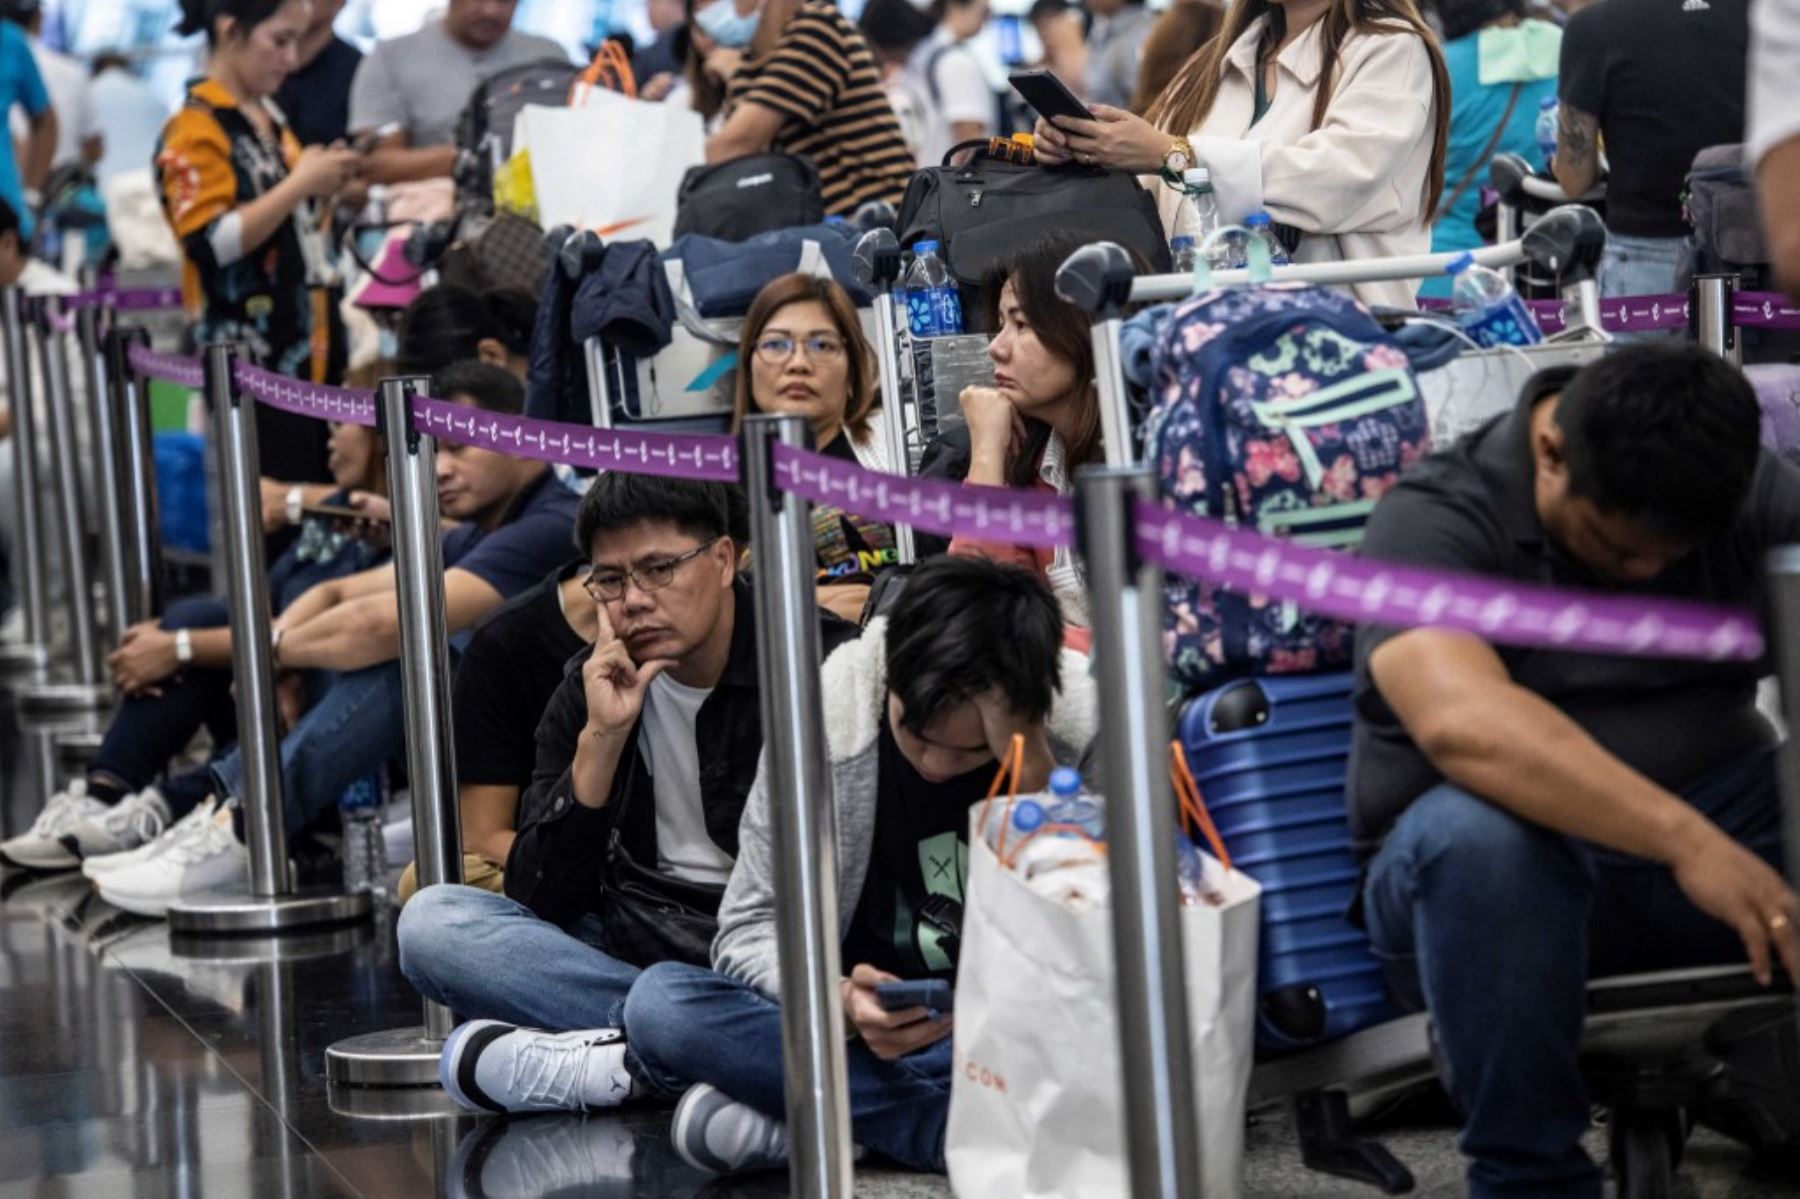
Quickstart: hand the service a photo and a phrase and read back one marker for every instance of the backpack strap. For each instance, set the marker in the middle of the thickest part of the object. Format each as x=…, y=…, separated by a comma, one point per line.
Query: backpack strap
x=1487, y=151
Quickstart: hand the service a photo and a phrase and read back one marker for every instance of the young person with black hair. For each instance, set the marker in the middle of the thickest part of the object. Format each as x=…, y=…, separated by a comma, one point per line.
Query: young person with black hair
x=918, y=712
x=246, y=201
x=653, y=739
x=446, y=324
x=1532, y=819
x=513, y=521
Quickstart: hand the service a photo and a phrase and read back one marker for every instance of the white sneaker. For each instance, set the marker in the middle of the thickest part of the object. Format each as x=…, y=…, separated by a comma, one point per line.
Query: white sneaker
x=41, y=847
x=134, y=821
x=100, y=864
x=715, y=1133
x=207, y=859
x=488, y=1065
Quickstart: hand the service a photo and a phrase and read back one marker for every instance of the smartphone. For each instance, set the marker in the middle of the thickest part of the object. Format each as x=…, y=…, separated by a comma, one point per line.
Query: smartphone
x=366, y=141
x=1047, y=94
x=935, y=995
x=339, y=512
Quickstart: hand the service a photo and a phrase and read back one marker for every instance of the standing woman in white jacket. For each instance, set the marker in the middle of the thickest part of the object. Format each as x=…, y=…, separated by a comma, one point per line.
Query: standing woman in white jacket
x=1330, y=115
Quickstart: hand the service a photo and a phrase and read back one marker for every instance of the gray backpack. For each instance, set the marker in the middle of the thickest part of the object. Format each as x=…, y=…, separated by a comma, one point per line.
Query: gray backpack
x=1721, y=206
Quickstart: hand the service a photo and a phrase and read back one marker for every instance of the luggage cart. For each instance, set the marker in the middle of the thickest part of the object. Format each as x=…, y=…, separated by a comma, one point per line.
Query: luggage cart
x=1524, y=194
x=1641, y=1051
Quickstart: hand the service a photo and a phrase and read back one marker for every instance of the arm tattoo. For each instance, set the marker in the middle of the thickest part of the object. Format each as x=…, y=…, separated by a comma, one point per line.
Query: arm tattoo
x=1576, y=134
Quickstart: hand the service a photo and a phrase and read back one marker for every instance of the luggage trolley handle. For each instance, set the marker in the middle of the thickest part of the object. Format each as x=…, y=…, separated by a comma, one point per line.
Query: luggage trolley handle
x=876, y=264
x=1097, y=279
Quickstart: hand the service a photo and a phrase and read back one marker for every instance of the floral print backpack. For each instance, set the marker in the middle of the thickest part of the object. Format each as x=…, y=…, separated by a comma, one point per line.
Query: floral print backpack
x=1285, y=408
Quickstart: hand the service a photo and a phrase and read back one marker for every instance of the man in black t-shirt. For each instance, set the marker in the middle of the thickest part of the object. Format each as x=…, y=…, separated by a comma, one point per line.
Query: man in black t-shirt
x=1533, y=817
x=917, y=713
x=316, y=96
x=1657, y=81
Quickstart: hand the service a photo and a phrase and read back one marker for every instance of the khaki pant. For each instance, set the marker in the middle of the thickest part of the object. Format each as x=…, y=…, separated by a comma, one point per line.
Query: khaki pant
x=477, y=872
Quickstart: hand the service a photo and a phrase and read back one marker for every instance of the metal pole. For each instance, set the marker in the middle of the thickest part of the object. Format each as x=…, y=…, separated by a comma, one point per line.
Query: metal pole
x=32, y=654
x=1784, y=606
x=593, y=354
x=1109, y=381
x=893, y=409
x=272, y=904
x=136, y=443
x=408, y=1057
x=1711, y=321
x=107, y=465
x=805, y=823
x=1506, y=229
x=1126, y=604
x=85, y=690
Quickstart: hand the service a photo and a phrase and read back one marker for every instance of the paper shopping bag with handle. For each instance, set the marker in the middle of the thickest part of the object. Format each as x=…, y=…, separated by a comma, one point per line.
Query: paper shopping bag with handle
x=1036, y=1105
x=613, y=165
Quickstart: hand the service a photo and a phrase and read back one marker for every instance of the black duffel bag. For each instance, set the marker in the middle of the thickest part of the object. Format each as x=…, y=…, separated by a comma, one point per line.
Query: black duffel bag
x=736, y=200
x=999, y=202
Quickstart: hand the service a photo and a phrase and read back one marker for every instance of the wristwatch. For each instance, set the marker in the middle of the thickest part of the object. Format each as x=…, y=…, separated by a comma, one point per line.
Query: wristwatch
x=1178, y=158
x=184, y=646
x=296, y=501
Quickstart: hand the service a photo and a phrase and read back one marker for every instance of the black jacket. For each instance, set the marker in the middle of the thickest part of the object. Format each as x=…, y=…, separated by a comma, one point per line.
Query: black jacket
x=554, y=866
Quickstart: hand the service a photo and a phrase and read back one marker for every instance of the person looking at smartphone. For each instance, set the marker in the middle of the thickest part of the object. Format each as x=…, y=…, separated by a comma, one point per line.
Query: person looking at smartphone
x=1330, y=115
x=918, y=711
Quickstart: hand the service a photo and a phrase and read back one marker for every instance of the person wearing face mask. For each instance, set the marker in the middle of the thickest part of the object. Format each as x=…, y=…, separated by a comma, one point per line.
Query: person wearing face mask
x=246, y=204
x=808, y=358
x=1040, y=421
x=1502, y=67
x=795, y=77
x=1329, y=115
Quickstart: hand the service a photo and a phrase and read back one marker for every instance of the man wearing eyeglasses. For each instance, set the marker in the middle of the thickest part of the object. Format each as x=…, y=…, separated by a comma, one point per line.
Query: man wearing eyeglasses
x=629, y=828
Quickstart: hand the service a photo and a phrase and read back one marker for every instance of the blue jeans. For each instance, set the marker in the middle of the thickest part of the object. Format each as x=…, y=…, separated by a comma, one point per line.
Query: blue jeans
x=1495, y=925
x=687, y=1025
x=487, y=957
x=1639, y=266
x=357, y=724
x=147, y=731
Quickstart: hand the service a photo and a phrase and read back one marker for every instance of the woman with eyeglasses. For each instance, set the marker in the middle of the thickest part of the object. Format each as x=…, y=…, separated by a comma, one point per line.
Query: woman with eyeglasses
x=807, y=357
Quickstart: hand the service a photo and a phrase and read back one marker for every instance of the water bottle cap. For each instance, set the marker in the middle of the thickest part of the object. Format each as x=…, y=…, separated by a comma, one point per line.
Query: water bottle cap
x=835, y=220
x=1459, y=264
x=1027, y=814
x=928, y=246
x=1181, y=241
x=1197, y=177
x=1547, y=102
x=1065, y=781
x=1257, y=220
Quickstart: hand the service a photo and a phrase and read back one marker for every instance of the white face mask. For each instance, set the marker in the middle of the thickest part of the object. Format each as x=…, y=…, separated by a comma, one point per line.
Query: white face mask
x=722, y=22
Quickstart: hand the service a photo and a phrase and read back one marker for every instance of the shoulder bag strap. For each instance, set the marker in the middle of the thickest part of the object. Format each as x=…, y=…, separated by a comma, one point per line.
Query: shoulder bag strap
x=1487, y=151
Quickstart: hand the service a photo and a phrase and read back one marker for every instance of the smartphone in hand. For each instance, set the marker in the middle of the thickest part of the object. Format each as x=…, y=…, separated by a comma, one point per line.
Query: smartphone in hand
x=935, y=995
x=1048, y=95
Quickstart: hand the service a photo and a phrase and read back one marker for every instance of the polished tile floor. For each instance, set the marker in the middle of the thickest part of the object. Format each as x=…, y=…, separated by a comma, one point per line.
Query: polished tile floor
x=132, y=1064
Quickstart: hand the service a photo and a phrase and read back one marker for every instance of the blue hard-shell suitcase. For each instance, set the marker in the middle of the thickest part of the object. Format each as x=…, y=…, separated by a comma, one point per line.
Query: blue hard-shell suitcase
x=1270, y=755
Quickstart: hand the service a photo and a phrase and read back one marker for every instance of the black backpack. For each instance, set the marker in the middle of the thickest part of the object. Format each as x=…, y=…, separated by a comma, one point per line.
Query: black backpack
x=484, y=131
x=998, y=202
x=759, y=193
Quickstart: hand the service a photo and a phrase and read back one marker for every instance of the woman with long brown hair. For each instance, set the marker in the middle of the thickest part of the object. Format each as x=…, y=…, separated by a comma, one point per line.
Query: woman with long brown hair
x=1330, y=115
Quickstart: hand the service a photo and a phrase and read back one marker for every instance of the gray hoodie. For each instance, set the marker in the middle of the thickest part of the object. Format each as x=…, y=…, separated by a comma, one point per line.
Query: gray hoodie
x=854, y=687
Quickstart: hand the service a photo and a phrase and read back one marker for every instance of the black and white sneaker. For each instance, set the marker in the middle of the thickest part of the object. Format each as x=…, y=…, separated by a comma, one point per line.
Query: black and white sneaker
x=715, y=1133
x=495, y=1067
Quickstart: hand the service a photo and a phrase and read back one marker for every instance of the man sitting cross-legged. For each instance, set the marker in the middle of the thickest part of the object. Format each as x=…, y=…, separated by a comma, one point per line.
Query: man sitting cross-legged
x=918, y=711
x=647, y=750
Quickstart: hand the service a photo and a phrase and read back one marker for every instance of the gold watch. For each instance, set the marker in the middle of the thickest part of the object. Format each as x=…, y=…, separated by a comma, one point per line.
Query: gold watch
x=1179, y=158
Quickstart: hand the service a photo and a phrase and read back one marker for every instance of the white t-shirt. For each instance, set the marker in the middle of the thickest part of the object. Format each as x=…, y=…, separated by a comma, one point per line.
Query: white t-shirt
x=956, y=90
x=70, y=94
x=671, y=753
x=1774, y=64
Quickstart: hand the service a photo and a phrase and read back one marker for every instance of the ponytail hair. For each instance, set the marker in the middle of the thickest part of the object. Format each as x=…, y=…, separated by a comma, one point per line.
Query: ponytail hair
x=202, y=16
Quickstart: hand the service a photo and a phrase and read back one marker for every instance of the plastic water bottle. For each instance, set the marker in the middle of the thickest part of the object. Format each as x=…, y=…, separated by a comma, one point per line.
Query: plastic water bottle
x=365, y=852
x=1546, y=129
x=1198, y=217
x=933, y=305
x=1182, y=250
x=1070, y=804
x=1262, y=228
x=1487, y=307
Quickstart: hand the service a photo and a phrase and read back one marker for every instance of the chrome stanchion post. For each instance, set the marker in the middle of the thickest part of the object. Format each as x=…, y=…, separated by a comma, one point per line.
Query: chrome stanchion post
x=408, y=1057
x=85, y=689
x=89, y=322
x=593, y=356
x=32, y=654
x=805, y=823
x=1710, y=308
x=1097, y=279
x=877, y=267
x=136, y=443
x=1126, y=602
x=1784, y=607
x=273, y=904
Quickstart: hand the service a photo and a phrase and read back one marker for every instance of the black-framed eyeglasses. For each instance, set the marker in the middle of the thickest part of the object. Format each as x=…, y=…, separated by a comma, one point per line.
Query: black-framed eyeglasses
x=820, y=347
x=609, y=586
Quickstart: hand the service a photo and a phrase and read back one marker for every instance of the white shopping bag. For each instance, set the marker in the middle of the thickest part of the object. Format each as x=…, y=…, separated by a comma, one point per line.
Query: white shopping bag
x=1036, y=1106
x=613, y=166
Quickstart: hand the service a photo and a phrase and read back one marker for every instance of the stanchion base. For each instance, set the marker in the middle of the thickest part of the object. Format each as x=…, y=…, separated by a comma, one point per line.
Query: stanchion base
x=20, y=658
x=235, y=913
x=78, y=746
x=263, y=949
x=65, y=697
x=392, y=1103
x=399, y=1057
